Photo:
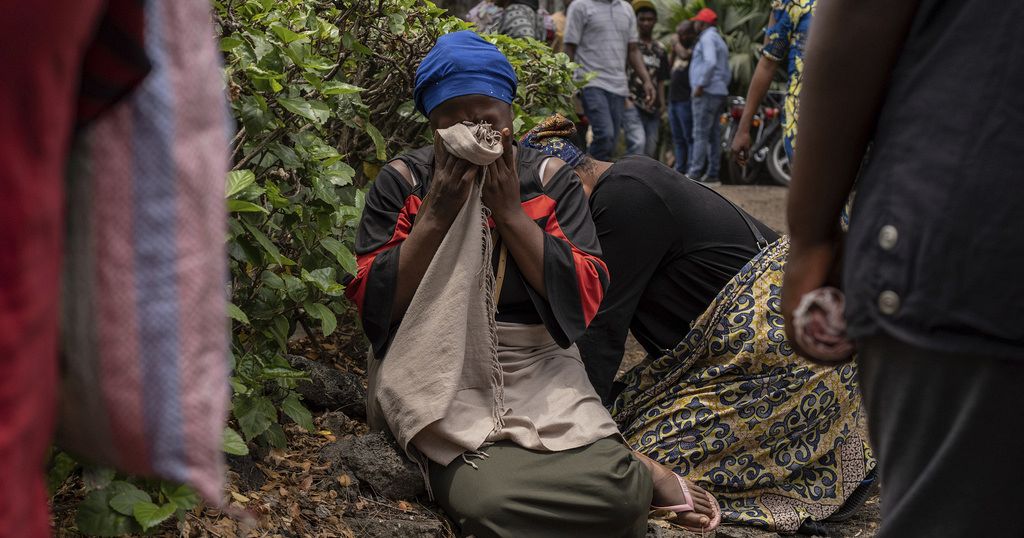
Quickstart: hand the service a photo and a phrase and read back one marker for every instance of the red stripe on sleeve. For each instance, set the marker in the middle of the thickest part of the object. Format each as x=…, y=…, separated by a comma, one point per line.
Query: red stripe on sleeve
x=356, y=289
x=587, y=265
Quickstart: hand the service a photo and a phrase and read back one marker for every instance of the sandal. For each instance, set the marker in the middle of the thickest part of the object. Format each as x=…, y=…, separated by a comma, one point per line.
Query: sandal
x=688, y=506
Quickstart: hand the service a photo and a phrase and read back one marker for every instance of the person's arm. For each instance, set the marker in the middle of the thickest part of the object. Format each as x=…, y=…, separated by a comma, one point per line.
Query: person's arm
x=574, y=23
x=636, y=61
x=844, y=77
x=702, y=63
x=522, y=236
x=570, y=51
x=776, y=46
x=759, y=86
x=392, y=254
x=572, y=277
x=633, y=226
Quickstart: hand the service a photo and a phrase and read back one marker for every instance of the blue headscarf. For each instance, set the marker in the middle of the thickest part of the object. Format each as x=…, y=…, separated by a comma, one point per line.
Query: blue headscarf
x=462, y=63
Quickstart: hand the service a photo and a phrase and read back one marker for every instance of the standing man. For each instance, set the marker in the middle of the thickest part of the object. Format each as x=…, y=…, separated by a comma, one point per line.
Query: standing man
x=931, y=268
x=601, y=36
x=709, y=80
x=680, y=115
x=643, y=122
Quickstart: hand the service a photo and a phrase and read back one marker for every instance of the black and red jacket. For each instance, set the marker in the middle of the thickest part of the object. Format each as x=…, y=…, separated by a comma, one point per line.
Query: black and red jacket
x=574, y=275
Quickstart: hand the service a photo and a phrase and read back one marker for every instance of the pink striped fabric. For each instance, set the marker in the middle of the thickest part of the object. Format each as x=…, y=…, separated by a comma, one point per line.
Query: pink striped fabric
x=145, y=380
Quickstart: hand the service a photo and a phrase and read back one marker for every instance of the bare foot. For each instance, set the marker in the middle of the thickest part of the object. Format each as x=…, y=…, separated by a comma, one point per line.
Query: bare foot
x=667, y=492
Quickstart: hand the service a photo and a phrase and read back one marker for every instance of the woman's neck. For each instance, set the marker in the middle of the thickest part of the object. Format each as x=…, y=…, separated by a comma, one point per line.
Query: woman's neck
x=589, y=175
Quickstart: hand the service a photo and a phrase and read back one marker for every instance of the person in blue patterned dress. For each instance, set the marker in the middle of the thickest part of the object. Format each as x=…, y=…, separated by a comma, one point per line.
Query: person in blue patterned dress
x=784, y=44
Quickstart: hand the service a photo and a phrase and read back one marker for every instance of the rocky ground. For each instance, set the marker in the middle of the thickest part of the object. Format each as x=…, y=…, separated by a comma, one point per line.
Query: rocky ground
x=342, y=481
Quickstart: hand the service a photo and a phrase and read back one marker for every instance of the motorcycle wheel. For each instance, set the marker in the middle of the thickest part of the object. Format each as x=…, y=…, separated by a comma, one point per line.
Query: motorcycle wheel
x=778, y=163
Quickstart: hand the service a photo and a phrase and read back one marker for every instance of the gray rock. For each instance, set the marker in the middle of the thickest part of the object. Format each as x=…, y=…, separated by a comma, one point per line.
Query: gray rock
x=378, y=463
x=330, y=389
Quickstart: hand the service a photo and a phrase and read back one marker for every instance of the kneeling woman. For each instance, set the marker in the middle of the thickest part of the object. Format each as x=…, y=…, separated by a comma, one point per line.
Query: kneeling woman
x=497, y=410
x=721, y=398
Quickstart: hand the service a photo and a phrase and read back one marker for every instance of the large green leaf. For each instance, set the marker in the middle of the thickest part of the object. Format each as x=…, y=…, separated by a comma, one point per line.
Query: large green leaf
x=96, y=517
x=328, y=321
x=150, y=515
x=238, y=180
x=268, y=246
x=298, y=412
x=125, y=497
x=339, y=88
x=60, y=468
x=234, y=444
x=254, y=415
x=241, y=206
x=323, y=279
x=184, y=497
x=275, y=437
x=236, y=314
x=378, y=141
x=345, y=258
x=315, y=111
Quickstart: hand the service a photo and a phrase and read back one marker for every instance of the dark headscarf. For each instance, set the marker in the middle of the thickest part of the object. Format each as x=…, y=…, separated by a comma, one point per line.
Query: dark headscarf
x=462, y=63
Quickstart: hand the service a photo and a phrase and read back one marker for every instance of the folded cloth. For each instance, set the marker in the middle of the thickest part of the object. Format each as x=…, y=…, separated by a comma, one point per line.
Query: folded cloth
x=448, y=336
x=820, y=327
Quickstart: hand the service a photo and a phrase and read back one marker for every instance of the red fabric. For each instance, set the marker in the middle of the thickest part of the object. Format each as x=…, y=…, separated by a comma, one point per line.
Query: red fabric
x=41, y=48
x=707, y=15
x=356, y=289
x=587, y=275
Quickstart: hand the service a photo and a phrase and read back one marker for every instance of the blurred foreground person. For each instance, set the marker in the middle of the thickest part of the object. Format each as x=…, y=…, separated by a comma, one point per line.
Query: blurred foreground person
x=934, y=298
x=113, y=142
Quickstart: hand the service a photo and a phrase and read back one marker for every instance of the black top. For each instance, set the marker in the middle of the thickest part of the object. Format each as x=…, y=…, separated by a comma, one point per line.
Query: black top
x=574, y=275
x=679, y=88
x=671, y=245
x=936, y=243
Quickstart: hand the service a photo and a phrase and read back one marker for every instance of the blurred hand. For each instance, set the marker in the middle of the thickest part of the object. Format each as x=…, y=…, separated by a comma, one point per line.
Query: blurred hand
x=741, y=147
x=649, y=94
x=698, y=91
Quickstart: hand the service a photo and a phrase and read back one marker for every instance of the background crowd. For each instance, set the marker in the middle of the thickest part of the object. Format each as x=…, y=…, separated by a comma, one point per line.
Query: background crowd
x=640, y=84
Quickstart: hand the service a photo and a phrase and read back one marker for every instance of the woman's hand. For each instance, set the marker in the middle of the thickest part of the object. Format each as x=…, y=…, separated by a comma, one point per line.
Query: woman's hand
x=501, y=188
x=449, y=189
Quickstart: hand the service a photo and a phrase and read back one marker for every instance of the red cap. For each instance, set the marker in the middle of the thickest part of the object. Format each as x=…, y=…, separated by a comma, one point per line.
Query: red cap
x=707, y=15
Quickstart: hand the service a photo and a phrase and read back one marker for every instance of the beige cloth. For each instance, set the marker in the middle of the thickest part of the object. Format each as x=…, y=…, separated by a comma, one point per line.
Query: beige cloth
x=454, y=379
x=549, y=403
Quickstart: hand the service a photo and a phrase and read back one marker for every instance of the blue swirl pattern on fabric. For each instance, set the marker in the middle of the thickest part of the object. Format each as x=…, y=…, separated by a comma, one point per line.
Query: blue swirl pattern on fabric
x=777, y=438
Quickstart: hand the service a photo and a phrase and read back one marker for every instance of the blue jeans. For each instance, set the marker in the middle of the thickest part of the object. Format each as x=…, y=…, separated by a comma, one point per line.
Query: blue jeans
x=604, y=110
x=707, y=144
x=633, y=127
x=652, y=128
x=680, y=119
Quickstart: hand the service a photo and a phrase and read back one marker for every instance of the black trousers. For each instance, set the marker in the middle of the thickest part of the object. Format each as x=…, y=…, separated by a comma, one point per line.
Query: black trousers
x=948, y=430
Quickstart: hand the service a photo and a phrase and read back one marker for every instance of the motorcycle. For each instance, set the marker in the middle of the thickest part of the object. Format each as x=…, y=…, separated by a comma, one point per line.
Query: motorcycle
x=767, y=152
